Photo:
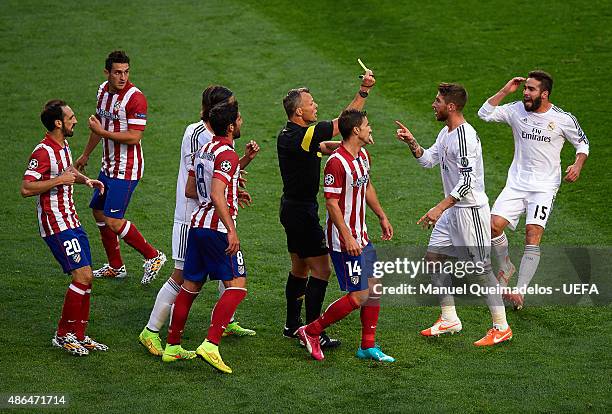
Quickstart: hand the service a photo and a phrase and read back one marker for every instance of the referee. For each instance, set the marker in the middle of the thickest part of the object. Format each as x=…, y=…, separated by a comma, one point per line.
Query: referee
x=300, y=145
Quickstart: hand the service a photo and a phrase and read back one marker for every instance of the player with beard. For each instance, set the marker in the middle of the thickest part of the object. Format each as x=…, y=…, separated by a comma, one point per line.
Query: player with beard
x=540, y=130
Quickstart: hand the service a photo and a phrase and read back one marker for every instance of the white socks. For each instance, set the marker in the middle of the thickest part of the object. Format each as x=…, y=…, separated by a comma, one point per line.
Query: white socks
x=163, y=303
x=529, y=265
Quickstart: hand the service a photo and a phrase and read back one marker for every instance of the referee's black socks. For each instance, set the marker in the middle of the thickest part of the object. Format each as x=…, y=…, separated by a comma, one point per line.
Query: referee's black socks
x=294, y=292
x=315, y=294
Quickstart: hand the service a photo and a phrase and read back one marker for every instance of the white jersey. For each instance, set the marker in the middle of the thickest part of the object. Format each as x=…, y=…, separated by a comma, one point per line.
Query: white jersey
x=195, y=136
x=460, y=157
x=538, y=140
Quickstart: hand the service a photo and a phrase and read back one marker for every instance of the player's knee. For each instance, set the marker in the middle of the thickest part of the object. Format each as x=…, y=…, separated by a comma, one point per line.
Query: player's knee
x=83, y=275
x=114, y=224
x=533, y=234
x=177, y=276
x=360, y=297
x=238, y=282
x=497, y=226
x=99, y=216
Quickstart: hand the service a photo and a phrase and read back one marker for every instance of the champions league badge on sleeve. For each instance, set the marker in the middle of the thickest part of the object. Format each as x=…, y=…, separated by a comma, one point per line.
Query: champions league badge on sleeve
x=226, y=166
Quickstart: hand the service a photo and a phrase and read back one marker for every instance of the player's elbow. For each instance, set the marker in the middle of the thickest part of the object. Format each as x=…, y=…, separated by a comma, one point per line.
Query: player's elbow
x=25, y=192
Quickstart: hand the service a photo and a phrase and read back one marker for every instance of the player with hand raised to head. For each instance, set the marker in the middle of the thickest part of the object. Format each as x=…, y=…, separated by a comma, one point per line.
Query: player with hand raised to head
x=460, y=220
x=540, y=130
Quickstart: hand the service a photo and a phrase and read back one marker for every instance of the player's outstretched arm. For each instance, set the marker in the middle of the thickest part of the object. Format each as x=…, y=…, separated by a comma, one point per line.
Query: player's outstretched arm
x=131, y=136
x=32, y=188
x=217, y=195
x=250, y=152
x=335, y=214
x=328, y=147
x=374, y=204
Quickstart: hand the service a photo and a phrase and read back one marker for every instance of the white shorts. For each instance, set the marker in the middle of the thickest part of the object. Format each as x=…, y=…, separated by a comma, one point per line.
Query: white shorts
x=180, y=231
x=463, y=232
x=511, y=203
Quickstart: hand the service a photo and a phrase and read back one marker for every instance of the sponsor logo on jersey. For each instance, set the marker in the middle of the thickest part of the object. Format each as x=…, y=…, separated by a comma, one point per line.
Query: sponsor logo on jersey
x=535, y=136
x=361, y=181
x=329, y=179
x=33, y=164
x=209, y=156
x=106, y=114
x=226, y=166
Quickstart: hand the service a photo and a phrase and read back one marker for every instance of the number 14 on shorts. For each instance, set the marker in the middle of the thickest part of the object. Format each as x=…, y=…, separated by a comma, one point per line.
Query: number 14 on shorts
x=353, y=268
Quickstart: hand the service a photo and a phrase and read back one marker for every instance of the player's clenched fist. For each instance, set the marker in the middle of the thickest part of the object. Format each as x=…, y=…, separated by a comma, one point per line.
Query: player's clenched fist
x=67, y=177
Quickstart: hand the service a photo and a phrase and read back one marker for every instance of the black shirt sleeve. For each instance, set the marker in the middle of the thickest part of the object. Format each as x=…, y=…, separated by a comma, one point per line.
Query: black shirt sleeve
x=315, y=134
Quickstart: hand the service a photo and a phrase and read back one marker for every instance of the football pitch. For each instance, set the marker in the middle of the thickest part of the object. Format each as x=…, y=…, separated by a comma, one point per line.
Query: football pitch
x=559, y=359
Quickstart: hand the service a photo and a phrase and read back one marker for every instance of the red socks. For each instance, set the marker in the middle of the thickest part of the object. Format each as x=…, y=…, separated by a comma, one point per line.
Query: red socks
x=72, y=309
x=182, y=304
x=110, y=241
x=130, y=234
x=369, y=320
x=80, y=326
x=223, y=311
x=336, y=311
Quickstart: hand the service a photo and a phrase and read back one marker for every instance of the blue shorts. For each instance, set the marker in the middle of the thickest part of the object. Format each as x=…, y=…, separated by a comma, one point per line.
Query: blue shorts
x=205, y=257
x=116, y=197
x=70, y=248
x=353, y=272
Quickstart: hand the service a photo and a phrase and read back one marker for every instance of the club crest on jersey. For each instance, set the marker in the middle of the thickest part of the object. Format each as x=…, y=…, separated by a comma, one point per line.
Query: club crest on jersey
x=33, y=164
x=226, y=166
x=329, y=179
x=76, y=257
x=117, y=106
x=551, y=126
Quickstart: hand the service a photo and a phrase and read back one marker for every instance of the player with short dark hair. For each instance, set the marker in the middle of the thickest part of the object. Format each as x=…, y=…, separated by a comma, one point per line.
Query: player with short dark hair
x=540, y=130
x=120, y=120
x=300, y=145
x=460, y=220
x=213, y=246
x=195, y=136
x=348, y=188
x=50, y=176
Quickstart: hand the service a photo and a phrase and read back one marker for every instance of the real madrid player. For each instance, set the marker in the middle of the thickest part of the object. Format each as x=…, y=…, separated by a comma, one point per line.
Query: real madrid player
x=461, y=220
x=195, y=136
x=50, y=176
x=213, y=247
x=348, y=189
x=540, y=130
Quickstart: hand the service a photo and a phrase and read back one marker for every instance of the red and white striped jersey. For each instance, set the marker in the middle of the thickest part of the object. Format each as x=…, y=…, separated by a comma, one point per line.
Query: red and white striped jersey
x=216, y=159
x=119, y=112
x=56, y=211
x=346, y=178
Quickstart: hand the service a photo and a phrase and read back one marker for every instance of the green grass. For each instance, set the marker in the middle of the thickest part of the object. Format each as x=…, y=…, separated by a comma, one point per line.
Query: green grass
x=560, y=358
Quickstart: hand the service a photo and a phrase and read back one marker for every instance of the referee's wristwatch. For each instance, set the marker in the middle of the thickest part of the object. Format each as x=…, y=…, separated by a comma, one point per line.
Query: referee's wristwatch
x=363, y=94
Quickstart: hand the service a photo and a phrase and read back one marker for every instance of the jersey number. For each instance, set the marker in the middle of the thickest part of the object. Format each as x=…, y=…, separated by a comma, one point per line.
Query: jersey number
x=200, y=181
x=542, y=212
x=353, y=268
x=72, y=247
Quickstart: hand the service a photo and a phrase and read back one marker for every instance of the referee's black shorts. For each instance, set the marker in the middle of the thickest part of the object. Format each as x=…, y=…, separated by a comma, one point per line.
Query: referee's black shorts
x=305, y=236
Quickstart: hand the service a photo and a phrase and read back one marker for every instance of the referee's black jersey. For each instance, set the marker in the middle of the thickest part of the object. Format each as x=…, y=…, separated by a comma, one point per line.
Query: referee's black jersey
x=299, y=158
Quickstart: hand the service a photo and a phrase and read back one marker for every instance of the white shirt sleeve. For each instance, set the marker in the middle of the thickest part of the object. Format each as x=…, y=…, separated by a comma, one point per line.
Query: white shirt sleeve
x=490, y=113
x=574, y=134
x=430, y=157
x=467, y=155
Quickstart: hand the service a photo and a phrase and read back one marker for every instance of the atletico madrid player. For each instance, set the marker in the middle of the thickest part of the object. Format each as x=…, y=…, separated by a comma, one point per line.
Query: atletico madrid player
x=347, y=192
x=50, y=176
x=120, y=120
